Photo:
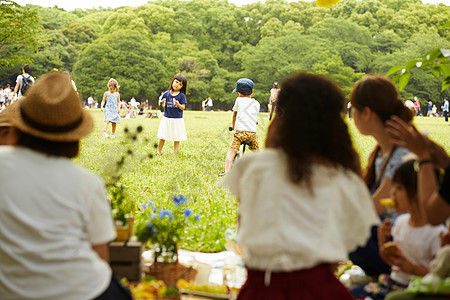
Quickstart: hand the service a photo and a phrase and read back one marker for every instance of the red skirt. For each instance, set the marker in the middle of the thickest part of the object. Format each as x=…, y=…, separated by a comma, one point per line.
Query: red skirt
x=317, y=283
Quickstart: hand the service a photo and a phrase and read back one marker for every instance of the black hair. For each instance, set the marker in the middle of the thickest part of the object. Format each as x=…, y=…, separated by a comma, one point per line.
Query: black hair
x=318, y=135
x=180, y=77
x=27, y=69
x=61, y=149
x=406, y=175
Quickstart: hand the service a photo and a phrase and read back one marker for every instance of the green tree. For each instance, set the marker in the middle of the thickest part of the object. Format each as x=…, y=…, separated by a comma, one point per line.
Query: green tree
x=20, y=29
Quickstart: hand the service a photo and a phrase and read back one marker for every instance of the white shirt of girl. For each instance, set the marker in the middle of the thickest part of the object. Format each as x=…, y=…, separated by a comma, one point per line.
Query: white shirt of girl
x=286, y=226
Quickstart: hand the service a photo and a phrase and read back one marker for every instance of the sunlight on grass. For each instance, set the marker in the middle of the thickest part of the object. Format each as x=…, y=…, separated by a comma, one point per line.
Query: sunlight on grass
x=193, y=173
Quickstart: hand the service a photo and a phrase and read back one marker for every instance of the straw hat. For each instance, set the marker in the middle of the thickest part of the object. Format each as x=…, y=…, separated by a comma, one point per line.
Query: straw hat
x=4, y=118
x=51, y=110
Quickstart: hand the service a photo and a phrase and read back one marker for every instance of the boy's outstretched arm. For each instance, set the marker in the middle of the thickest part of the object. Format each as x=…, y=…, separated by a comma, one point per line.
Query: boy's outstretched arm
x=234, y=119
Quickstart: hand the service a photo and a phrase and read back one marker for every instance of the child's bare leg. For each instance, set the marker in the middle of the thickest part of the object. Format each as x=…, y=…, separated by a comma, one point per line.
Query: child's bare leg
x=229, y=160
x=113, y=128
x=176, y=147
x=105, y=126
x=161, y=145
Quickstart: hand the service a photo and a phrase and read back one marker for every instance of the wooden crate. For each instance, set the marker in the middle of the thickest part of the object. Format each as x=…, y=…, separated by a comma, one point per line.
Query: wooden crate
x=126, y=260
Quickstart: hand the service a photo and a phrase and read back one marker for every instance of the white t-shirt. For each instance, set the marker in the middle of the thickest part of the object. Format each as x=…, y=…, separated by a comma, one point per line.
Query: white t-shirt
x=418, y=244
x=210, y=102
x=247, y=114
x=7, y=93
x=52, y=212
x=409, y=104
x=19, y=80
x=285, y=227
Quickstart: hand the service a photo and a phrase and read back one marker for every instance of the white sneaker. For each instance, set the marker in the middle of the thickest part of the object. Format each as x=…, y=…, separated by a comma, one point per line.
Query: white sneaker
x=105, y=134
x=113, y=135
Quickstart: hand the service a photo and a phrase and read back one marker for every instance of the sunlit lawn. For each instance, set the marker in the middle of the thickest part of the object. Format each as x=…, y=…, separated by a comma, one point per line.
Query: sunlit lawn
x=193, y=172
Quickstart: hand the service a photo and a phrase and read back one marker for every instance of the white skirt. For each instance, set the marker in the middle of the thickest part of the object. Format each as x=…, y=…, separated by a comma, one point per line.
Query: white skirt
x=172, y=129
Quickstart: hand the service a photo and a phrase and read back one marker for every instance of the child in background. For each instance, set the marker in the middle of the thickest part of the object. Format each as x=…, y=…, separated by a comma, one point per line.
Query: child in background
x=112, y=107
x=415, y=242
x=302, y=203
x=171, y=127
x=245, y=114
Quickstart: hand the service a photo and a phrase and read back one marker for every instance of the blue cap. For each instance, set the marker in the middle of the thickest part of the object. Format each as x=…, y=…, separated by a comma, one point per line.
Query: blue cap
x=244, y=86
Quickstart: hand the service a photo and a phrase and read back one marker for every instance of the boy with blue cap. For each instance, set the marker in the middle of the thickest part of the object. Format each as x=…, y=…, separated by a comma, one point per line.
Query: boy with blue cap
x=245, y=114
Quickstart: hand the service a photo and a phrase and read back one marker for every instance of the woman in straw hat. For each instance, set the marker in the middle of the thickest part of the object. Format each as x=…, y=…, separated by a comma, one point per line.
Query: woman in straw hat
x=7, y=136
x=55, y=217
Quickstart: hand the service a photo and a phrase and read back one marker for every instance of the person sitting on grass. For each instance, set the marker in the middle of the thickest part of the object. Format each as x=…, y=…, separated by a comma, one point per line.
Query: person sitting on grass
x=302, y=203
x=56, y=220
x=245, y=114
x=415, y=242
x=434, y=199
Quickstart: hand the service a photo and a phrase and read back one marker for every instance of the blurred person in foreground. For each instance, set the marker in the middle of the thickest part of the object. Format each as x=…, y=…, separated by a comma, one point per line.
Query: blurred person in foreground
x=7, y=133
x=302, y=203
x=55, y=217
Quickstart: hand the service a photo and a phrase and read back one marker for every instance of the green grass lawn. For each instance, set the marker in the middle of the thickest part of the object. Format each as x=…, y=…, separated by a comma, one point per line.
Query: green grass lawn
x=193, y=173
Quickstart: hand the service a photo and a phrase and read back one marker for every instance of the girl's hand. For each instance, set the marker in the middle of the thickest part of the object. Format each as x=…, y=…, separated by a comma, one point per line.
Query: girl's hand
x=445, y=238
x=384, y=232
x=101, y=108
x=175, y=102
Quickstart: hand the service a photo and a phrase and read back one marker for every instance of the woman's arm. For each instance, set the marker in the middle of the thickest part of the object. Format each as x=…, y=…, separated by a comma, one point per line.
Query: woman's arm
x=16, y=88
x=102, y=251
x=383, y=191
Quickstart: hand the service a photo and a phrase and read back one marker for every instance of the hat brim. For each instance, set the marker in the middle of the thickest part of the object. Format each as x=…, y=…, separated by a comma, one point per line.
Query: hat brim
x=84, y=128
x=234, y=91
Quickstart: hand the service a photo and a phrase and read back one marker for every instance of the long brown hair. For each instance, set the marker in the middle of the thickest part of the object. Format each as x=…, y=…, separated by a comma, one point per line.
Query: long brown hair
x=309, y=125
x=380, y=95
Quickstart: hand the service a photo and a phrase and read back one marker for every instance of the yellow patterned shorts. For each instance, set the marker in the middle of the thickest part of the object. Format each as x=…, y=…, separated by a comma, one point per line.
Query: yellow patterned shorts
x=242, y=136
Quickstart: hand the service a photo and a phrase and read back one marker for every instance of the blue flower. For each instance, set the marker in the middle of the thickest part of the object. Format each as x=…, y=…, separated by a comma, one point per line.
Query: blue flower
x=179, y=200
x=187, y=213
x=164, y=212
x=155, y=208
x=144, y=206
x=197, y=218
x=152, y=230
x=150, y=203
x=153, y=216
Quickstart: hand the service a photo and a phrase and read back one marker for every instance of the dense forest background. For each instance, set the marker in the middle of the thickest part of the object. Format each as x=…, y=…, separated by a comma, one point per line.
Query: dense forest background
x=214, y=43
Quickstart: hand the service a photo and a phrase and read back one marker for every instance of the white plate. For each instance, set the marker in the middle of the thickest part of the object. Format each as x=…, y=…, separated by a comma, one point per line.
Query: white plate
x=205, y=294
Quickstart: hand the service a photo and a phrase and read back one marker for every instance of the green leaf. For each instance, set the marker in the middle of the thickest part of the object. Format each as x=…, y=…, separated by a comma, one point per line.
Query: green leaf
x=395, y=78
x=410, y=64
x=445, y=69
x=432, y=55
x=394, y=70
x=447, y=24
x=445, y=86
x=403, y=80
x=436, y=71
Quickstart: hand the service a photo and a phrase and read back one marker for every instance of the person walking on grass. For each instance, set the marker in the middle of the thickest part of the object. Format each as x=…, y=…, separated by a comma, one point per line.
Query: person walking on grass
x=23, y=82
x=445, y=109
x=112, y=107
x=245, y=114
x=171, y=127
